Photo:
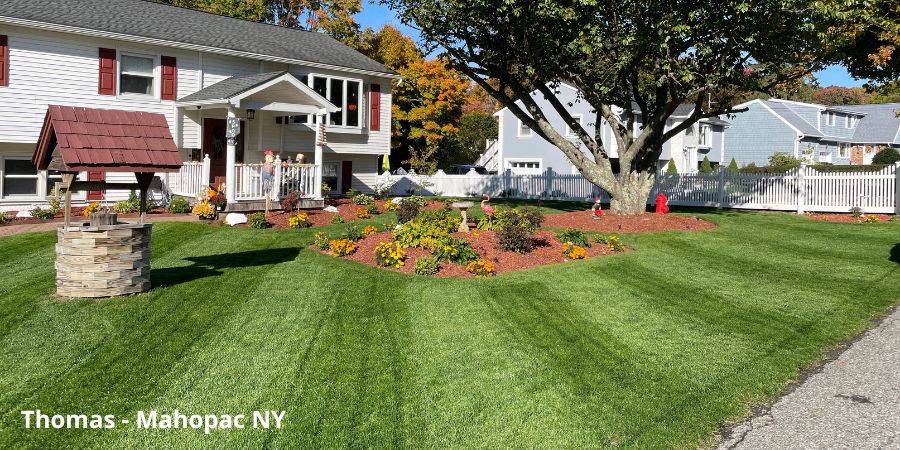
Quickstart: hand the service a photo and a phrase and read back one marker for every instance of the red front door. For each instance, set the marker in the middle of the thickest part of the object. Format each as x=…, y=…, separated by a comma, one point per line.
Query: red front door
x=214, y=145
x=95, y=176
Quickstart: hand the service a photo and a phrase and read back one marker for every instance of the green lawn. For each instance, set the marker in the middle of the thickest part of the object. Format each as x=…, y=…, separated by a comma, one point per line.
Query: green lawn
x=653, y=348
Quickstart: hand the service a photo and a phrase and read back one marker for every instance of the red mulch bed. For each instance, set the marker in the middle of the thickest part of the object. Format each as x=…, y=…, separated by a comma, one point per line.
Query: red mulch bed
x=78, y=215
x=846, y=218
x=547, y=250
x=318, y=217
x=644, y=223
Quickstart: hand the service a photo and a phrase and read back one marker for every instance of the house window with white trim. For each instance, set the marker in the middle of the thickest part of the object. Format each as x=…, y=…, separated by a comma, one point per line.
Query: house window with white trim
x=704, y=139
x=570, y=133
x=844, y=150
x=344, y=93
x=524, y=165
x=137, y=74
x=850, y=121
x=829, y=118
x=524, y=130
x=20, y=178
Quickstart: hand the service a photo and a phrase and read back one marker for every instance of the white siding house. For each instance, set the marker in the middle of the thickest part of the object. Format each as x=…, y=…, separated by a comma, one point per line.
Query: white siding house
x=132, y=54
x=521, y=151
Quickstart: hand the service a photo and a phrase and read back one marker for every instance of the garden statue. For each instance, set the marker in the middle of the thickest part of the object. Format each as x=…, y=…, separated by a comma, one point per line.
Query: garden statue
x=597, y=210
x=488, y=209
x=662, y=204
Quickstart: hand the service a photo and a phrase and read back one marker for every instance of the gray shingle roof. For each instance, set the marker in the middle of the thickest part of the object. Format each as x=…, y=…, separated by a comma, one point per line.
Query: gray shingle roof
x=230, y=87
x=879, y=125
x=145, y=19
x=792, y=118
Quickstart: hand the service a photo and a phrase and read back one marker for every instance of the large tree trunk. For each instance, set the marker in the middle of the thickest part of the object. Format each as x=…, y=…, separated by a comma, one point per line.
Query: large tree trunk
x=631, y=192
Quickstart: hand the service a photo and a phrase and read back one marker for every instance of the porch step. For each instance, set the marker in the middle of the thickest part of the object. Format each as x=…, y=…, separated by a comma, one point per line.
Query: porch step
x=260, y=205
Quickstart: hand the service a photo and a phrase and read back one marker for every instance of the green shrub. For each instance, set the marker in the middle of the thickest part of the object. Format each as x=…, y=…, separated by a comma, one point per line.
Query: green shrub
x=530, y=218
x=824, y=167
x=372, y=209
x=5, y=217
x=732, y=166
x=856, y=212
x=321, y=240
x=781, y=159
x=133, y=204
x=427, y=230
x=418, y=200
x=705, y=165
x=363, y=199
x=887, y=155
x=574, y=236
x=427, y=265
x=515, y=238
x=454, y=250
x=353, y=233
x=407, y=211
x=258, y=221
x=671, y=169
x=336, y=219
x=179, y=205
x=41, y=213
x=54, y=201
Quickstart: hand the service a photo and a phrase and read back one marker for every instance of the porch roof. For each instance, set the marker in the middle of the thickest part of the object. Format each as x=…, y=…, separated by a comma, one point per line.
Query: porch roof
x=105, y=140
x=239, y=92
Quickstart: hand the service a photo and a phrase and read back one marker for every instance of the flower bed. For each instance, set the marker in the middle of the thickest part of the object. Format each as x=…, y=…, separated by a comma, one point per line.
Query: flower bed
x=644, y=223
x=78, y=215
x=848, y=218
x=547, y=250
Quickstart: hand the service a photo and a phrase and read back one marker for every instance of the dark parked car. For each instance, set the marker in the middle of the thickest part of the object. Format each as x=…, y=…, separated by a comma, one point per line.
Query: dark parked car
x=463, y=169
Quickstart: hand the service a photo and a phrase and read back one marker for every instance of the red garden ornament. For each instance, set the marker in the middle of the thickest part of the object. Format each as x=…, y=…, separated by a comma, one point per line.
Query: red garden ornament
x=597, y=210
x=662, y=204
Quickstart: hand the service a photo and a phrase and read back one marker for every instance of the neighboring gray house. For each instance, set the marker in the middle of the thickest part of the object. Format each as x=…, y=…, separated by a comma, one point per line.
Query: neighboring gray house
x=846, y=134
x=520, y=150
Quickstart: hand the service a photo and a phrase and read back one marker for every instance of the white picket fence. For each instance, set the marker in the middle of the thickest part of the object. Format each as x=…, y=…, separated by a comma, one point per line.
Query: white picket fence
x=802, y=189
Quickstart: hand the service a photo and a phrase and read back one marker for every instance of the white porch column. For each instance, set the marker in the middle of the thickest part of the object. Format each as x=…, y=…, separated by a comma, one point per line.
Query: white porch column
x=320, y=141
x=232, y=129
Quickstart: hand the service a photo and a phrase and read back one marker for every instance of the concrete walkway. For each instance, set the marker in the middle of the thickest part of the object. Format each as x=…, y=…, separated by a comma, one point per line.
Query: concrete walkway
x=853, y=403
x=10, y=230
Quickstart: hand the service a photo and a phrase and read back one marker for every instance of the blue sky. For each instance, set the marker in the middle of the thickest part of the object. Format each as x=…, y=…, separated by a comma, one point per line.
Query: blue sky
x=375, y=15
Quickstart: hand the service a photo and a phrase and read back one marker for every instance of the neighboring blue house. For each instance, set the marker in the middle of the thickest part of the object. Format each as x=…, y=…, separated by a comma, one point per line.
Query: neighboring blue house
x=846, y=134
x=520, y=150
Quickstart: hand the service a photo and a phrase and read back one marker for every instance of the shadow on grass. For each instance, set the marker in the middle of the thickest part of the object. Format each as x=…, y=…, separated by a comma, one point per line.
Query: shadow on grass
x=895, y=253
x=212, y=265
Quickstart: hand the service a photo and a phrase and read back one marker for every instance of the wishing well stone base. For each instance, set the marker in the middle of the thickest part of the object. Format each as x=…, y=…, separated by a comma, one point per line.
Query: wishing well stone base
x=103, y=261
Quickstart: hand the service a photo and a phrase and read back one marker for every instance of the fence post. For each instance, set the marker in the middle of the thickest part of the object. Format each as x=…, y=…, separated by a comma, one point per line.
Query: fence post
x=801, y=188
x=507, y=181
x=721, y=198
x=897, y=188
x=275, y=190
x=548, y=186
x=204, y=173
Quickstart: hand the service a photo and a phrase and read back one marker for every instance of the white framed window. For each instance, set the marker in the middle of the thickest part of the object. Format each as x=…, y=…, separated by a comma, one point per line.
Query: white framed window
x=20, y=178
x=844, y=150
x=570, y=133
x=524, y=130
x=137, y=74
x=829, y=118
x=850, y=121
x=525, y=165
x=345, y=93
x=704, y=138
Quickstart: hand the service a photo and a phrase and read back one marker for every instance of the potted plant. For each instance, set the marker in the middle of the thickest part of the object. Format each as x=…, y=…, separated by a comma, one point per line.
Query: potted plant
x=218, y=200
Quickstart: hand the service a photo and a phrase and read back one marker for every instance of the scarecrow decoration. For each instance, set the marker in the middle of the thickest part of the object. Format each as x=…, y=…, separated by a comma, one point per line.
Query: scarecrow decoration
x=268, y=174
x=597, y=210
x=662, y=204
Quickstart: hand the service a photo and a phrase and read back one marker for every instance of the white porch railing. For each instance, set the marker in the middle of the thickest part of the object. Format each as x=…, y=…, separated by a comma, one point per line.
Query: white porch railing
x=190, y=179
x=193, y=177
x=252, y=185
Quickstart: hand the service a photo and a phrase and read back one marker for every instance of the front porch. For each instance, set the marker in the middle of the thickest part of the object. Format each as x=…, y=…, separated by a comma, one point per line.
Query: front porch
x=232, y=118
x=249, y=188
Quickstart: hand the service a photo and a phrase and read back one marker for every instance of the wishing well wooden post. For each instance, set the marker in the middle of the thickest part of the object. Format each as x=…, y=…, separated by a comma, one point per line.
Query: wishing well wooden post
x=143, y=180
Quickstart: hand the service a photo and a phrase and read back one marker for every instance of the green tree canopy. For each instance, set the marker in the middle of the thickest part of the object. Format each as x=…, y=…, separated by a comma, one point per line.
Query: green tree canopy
x=629, y=59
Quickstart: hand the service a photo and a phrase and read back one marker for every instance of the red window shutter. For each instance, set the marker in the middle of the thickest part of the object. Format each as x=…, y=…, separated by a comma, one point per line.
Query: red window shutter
x=4, y=60
x=375, y=108
x=169, y=78
x=95, y=176
x=107, y=83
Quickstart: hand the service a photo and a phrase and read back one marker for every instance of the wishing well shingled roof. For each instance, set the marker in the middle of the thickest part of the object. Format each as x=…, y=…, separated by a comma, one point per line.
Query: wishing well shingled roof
x=107, y=140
